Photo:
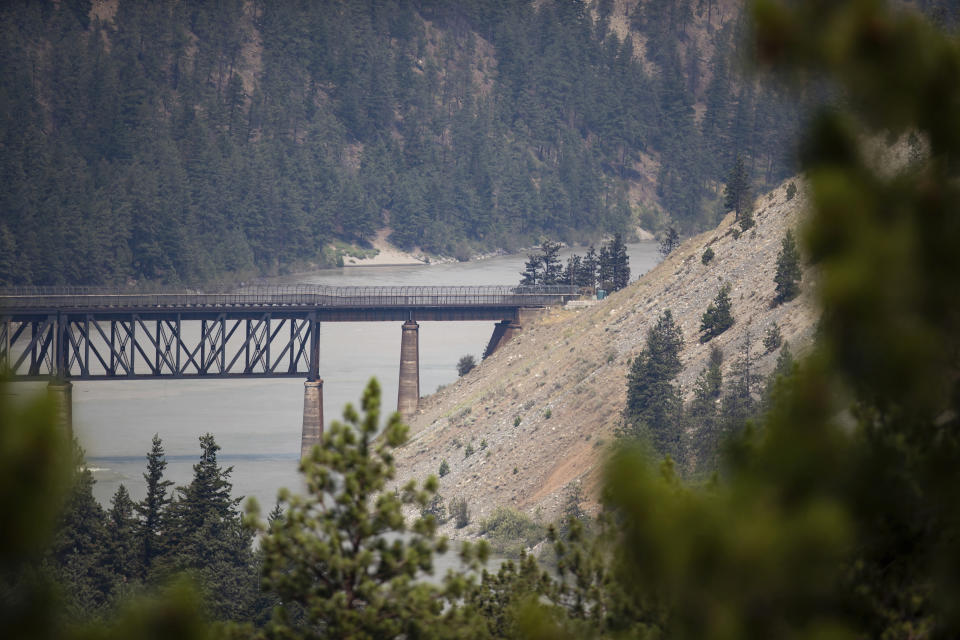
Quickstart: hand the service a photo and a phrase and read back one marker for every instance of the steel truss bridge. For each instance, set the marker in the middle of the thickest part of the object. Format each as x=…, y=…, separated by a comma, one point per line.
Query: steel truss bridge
x=94, y=334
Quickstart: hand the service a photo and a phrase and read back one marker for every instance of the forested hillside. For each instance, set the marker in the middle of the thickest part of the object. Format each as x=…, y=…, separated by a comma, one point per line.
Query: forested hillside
x=180, y=141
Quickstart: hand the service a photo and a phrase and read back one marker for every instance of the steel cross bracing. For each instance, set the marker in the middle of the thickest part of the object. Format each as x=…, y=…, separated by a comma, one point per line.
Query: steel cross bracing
x=92, y=348
x=91, y=334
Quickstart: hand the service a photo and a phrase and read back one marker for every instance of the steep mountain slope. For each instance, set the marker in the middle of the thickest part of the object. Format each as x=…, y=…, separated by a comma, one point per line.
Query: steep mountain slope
x=565, y=376
x=185, y=142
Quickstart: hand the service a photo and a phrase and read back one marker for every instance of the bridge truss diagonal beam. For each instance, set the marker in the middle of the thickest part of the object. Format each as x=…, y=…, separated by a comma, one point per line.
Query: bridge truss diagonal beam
x=136, y=346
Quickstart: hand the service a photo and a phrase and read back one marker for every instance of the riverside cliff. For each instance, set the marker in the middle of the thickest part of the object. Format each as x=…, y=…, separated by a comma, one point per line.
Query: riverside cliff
x=540, y=413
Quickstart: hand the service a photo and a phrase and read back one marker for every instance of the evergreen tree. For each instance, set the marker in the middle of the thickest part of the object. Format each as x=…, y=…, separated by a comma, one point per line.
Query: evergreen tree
x=151, y=509
x=717, y=318
x=336, y=559
x=621, y=262
x=123, y=542
x=532, y=270
x=613, y=264
x=736, y=194
x=591, y=265
x=746, y=219
x=740, y=400
x=208, y=539
x=788, y=273
x=669, y=242
x=573, y=271
x=78, y=555
x=605, y=268
x=779, y=377
x=544, y=268
x=773, y=338
x=653, y=408
x=208, y=494
x=552, y=267
x=703, y=412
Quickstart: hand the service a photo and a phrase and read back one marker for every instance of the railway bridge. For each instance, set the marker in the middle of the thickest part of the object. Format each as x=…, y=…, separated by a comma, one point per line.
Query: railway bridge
x=81, y=333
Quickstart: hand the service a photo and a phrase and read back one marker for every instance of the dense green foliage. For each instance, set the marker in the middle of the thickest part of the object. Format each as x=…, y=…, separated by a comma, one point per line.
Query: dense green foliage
x=100, y=558
x=178, y=141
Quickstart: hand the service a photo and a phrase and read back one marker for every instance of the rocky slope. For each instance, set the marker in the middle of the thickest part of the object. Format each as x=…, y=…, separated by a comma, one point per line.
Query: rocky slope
x=539, y=412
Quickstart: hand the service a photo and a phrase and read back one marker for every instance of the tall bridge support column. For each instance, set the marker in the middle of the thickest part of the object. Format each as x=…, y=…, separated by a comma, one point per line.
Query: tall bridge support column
x=312, y=432
x=408, y=395
x=312, y=416
x=60, y=393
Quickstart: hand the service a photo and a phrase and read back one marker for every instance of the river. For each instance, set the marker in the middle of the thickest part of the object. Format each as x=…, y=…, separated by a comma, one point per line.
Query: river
x=257, y=422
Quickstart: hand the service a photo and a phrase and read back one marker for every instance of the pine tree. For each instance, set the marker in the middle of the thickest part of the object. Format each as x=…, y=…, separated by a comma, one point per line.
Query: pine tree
x=746, y=219
x=207, y=538
x=788, y=270
x=781, y=374
x=736, y=195
x=591, y=265
x=343, y=561
x=552, y=267
x=208, y=494
x=653, y=408
x=621, y=262
x=78, y=555
x=605, y=269
x=703, y=413
x=544, y=268
x=740, y=400
x=123, y=552
x=151, y=509
x=532, y=274
x=717, y=318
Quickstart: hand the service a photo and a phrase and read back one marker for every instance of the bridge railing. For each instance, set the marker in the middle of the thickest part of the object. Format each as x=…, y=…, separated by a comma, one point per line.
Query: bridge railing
x=301, y=295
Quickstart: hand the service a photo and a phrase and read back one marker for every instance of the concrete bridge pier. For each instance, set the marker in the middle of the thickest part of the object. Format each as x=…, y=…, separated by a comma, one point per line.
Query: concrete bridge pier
x=312, y=432
x=408, y=395
x=60, y=393
x=503, y=332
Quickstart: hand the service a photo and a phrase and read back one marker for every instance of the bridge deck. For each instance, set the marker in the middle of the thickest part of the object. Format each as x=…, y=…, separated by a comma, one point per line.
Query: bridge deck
x=299, y=297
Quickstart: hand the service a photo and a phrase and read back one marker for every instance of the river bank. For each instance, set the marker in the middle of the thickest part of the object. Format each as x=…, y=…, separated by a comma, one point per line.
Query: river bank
x=388, y=255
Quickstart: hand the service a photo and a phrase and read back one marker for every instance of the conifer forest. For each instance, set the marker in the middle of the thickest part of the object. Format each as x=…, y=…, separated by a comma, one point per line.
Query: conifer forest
x=179, y=142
